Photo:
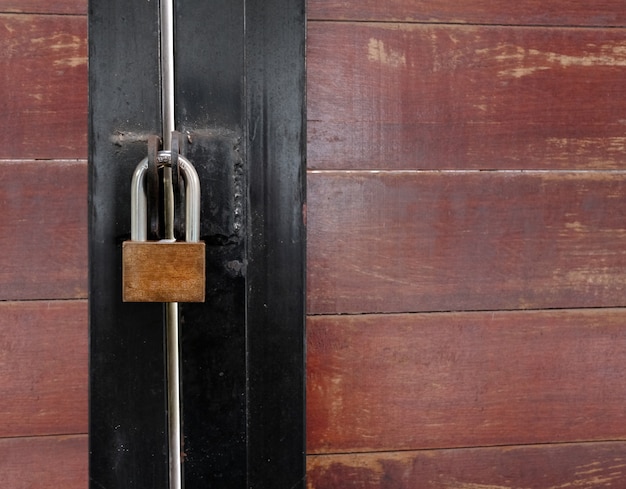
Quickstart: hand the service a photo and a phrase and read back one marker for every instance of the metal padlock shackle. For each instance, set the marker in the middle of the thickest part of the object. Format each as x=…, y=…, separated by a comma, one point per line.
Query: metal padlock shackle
x=139, y=200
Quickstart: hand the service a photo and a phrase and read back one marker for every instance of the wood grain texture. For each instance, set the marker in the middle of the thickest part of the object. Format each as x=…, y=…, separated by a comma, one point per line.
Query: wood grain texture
x=405, y=382
x=447, y=241
x=44, y=230
x=44, y=463
x=529, y=12
x=43, y=76
x=163, y=272
x=584, y=466
x=401, y=96
x=43, y=368
x=78, y=7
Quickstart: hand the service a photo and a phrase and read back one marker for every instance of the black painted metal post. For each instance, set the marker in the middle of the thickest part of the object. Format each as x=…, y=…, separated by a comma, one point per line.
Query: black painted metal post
x=240, y=102
x=275, y=54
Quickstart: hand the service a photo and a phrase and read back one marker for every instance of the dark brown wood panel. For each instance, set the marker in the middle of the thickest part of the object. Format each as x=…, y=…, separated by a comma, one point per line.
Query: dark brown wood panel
x=43, y=75
x=43, y=374
x=584, y=466
x=44, y=6
x=44, y=463
x=531, y=12
x=442, y=241
x=401, y=96
x=404, y=382
x=44, y=230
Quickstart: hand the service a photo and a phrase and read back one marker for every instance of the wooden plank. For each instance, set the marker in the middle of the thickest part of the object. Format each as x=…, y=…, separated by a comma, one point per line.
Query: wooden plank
x=43, y=368
x=590, y=465
x=77, y=7
x=406, y=382
x=44, y=223
x=465, y=240
x=400, y=96
x=44, y=463
x=43, y=66
x=529, y=12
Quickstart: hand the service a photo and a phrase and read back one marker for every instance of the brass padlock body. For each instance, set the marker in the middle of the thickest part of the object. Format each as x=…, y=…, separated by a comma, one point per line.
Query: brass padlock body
x=157, y=271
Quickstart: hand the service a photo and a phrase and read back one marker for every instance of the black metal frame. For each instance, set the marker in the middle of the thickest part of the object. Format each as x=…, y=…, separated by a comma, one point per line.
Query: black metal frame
x=240, y=101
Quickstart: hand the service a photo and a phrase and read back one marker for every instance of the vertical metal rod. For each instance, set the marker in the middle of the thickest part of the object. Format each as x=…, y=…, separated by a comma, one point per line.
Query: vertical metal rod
x=173, y=394
x=167, y=70
x=167, y=105
x=171, y=309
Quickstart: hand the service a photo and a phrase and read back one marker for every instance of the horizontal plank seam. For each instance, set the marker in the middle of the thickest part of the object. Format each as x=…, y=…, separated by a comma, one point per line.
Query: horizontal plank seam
x=39, y=437
x=17, y=161
x=313, y=171
x=63, y=299
x=311, y=20
x=477, y=447
x=43, y=14
x=469, y=311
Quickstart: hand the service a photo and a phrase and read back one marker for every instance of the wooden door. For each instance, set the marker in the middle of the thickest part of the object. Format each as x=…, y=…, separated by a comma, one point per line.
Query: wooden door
x=466, y=244
x=43, y=223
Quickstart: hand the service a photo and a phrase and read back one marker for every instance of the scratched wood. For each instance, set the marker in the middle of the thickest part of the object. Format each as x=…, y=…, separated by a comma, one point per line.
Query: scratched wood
x=43, y=368
x=441, y=380
x=78, y=7
x=465, y=240
x=529, y=12
x=44, y=230
x=44, y=462
x=407, y=96
x=589, y=465
x=43, y=66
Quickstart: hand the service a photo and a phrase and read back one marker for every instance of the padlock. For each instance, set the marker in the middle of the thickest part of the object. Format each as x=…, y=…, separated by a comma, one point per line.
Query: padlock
x=166, y=270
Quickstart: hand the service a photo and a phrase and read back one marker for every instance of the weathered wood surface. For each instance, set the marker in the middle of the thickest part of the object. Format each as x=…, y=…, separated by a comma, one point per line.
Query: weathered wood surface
x=445, y=241
x=406, y=382
x=44, y=230
x=43, y=368
x=402, y=96
x=524, y=12
x=52, y=462
x=43, y=345
x=78, y=7
x=43, y=66
x=585, y=466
